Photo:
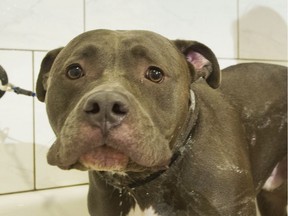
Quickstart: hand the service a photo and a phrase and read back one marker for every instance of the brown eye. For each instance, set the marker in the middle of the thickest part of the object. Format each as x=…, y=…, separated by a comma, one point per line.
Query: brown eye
x=155, y=74
x=74, y=72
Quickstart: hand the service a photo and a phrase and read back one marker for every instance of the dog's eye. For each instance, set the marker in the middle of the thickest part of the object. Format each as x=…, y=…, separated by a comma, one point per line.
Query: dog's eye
x=74, y=72
x=154, y=74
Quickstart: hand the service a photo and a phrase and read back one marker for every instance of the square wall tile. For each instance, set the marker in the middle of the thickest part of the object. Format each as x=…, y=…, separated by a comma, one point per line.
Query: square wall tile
x=263, y=29
x=210, y=22
x=223, y=63
x=38, y=24
x=16, y=125
x=49, y=176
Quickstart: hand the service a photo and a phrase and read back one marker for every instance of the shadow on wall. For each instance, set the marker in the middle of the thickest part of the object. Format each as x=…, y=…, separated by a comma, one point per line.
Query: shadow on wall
x=15, y=162
x=3, y=135
x=262, y=35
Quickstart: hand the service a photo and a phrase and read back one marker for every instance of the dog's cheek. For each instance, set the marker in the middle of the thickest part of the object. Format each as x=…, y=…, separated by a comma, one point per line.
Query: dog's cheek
x=53, y=155
x=172, y=109
x=56, y=118
x=61, y=99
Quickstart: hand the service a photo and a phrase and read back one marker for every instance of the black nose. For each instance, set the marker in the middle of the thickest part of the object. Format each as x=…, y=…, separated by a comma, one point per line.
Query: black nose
x=106, y=109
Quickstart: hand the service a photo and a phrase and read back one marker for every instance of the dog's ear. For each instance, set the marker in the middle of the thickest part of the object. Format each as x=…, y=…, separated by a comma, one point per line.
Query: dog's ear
x=47, y=62
x=203, y=60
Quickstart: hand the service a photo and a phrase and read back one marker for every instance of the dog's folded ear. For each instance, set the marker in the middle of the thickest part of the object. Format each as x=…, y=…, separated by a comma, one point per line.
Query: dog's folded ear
x=47, y=62
x=203, y=60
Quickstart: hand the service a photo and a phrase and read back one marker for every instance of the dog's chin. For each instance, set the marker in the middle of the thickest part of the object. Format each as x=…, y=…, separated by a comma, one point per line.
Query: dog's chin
x=103, y=158
x=108, y=159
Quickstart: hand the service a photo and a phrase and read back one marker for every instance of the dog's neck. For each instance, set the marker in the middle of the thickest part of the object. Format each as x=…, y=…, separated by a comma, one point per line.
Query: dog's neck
x=131, y=180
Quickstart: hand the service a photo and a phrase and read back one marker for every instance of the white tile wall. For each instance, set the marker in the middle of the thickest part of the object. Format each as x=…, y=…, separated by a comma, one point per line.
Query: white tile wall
x=16, y=125
x=208, y=21
x=237, y=31
x=263, y=29
x=39, y=24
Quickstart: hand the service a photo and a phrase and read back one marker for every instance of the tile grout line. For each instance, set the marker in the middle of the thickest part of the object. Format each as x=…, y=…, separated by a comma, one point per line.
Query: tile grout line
x=84, y=15
x=238, y=29
x=45, y=189
x=24, y=50
x=33, y=120
x=220, y=58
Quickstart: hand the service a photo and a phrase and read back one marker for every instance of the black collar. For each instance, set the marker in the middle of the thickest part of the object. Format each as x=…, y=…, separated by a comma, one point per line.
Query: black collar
x=155, y=175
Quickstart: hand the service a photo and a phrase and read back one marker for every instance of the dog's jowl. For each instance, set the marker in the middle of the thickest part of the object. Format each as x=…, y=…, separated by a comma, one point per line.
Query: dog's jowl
x=162, y=131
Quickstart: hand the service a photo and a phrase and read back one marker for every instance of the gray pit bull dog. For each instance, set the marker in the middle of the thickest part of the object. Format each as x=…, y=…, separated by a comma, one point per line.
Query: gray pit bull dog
x=147, y=118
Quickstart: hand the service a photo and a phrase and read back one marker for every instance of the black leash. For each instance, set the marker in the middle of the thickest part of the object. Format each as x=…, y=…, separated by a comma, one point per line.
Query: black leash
x=6, y=86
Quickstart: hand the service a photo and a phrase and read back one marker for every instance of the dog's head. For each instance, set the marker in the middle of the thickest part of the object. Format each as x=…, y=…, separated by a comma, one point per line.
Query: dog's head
x=118, y=100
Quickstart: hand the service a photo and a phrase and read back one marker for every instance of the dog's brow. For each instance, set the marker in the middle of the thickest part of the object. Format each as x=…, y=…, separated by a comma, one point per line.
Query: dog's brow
x=139, y=51
x=87, y=51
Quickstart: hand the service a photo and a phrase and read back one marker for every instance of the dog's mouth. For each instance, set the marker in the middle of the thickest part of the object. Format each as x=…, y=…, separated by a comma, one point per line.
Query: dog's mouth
x=132, y=145
x=103, y=158
x=108, y=159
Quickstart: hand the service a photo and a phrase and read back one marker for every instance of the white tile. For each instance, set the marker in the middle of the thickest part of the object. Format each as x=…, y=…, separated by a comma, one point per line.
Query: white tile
x=16, y=125
x=223, y=63
x=39, y=24
x=68, y=201
x=263, y=29
x=49, y=176
x=210, y=22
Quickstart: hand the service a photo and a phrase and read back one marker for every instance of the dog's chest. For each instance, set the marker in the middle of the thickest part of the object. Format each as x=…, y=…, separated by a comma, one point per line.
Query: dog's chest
x=136, y=211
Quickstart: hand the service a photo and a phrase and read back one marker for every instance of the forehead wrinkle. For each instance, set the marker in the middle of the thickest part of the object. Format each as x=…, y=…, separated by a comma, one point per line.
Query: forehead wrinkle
x=87, y=51
x=141, y=52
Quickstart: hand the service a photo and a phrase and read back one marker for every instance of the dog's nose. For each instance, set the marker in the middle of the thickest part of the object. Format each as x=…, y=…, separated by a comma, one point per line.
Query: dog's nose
x=106, y=109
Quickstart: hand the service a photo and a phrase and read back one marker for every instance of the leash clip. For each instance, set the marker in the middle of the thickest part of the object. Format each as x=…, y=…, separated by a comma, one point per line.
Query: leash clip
x=7, y=87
